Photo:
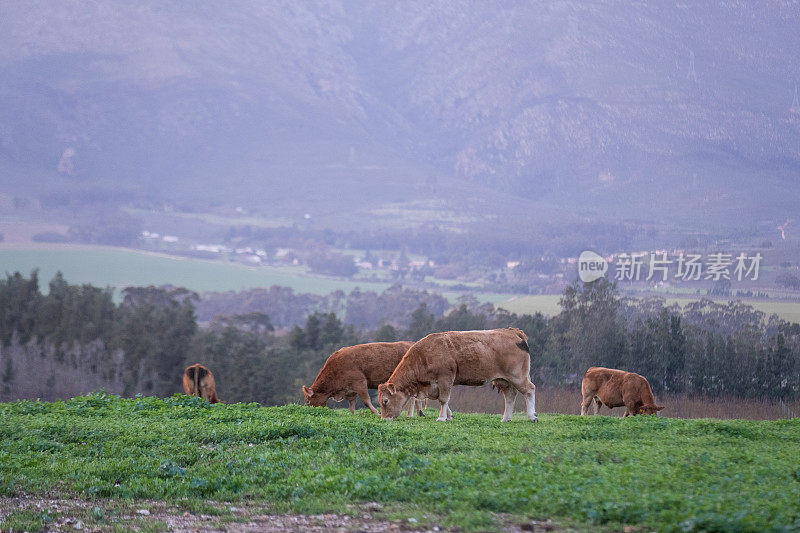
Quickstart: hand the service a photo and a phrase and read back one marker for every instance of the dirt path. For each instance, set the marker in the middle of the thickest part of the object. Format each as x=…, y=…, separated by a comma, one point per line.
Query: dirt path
x=43, y=513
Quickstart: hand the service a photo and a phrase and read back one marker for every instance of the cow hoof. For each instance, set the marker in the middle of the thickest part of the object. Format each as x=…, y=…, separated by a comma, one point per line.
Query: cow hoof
x=441, y=419
x=535, y=419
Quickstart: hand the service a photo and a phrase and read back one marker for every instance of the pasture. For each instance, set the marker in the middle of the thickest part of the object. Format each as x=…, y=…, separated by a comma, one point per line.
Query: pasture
x=121, y=267
x=143, y=462
x=547, y=304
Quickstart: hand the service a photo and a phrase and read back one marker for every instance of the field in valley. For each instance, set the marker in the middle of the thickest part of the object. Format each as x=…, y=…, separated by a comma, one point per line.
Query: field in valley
x=149, y=464
x=548, y=304
x=122, y=267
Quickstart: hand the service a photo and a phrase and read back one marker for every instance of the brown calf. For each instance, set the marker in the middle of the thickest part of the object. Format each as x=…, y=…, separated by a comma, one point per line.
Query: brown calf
x=615, y=388
x=436, y=363
x=350, y=372
x=199, y=381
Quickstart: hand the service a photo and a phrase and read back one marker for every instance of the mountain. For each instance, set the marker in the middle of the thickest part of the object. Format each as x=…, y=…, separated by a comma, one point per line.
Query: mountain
x=616, y=111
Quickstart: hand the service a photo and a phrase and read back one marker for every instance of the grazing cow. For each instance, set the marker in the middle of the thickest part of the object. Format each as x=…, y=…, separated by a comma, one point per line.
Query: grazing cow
x=615, y=388
x=199, y=381
x=434, y=364
x=349, y=372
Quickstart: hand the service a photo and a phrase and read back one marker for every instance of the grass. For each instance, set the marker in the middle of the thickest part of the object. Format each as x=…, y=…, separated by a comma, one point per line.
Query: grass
x=585, y=472
x=789, y=311
x=28, y=520
x=547, y=304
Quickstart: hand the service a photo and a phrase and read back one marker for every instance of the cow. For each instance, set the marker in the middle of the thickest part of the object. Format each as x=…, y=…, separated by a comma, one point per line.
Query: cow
x=615, y=388
x=199, y=381
x=439, y=361
x=350, y=372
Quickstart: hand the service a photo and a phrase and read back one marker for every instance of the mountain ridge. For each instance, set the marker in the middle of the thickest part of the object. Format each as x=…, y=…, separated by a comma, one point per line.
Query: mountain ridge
x=563, y=103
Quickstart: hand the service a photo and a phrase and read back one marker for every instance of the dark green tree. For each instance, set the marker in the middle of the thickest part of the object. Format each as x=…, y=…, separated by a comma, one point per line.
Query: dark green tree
x=422, y=323
x=386, y=333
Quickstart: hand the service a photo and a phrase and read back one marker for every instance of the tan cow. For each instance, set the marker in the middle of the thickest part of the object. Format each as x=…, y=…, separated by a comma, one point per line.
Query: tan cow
x=434, y=364
x=615, y=388
x=199, y=381
x=349, y=372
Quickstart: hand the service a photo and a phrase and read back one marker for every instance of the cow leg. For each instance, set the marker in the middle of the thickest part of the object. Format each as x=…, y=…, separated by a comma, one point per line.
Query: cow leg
x=444, y=398
x=510, y=395
x=448, y=414
x=420, y=407
x=528, y=390
x=412, y=406
x=632, y=405
x=597, y=405
x=443, y=412
x=585, y=405
x=352, y=401
x=363, y=393
x=530, y=404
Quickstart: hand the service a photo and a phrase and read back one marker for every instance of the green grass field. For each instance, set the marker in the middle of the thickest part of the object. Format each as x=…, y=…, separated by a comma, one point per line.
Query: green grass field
x=474, y=472
x=789, y=311
x=547, y=304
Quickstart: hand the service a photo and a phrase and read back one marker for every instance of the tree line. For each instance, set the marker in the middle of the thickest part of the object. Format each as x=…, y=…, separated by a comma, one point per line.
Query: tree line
x=142, y=344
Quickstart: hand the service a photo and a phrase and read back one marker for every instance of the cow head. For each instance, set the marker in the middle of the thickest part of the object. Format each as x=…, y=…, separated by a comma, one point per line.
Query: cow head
x=314, y=399
x=391, y=400
x=649, y=409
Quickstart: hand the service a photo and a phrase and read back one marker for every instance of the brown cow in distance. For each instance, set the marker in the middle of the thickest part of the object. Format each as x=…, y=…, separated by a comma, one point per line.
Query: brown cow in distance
x=441, y=360
x=199, y=381
x=615, y=388
x=350, y=372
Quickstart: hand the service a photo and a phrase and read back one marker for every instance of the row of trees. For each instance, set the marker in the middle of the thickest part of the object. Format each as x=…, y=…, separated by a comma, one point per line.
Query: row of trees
x=363, y=309
x=704, y=348
x=153, y=330
x=145, y=341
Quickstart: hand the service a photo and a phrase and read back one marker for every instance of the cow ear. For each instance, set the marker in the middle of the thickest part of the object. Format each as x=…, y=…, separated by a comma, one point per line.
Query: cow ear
x=390, y=388
x=308, y=391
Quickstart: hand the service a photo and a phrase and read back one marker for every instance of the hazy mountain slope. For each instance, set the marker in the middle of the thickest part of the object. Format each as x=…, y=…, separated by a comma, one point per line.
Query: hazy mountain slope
x=593, y=107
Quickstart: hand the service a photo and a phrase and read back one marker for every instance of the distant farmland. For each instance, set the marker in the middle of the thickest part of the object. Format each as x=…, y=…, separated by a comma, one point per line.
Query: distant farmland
x=548, y=305
x=120, y=267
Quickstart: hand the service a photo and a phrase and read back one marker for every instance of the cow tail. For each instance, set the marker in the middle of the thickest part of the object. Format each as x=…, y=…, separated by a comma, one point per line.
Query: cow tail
x=523, y=339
